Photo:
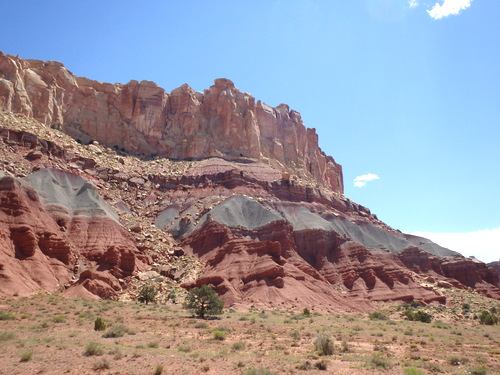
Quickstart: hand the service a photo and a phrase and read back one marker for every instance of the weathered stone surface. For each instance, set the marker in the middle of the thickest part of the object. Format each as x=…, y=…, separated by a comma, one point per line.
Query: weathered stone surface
x=141, y=117
x=41, y=241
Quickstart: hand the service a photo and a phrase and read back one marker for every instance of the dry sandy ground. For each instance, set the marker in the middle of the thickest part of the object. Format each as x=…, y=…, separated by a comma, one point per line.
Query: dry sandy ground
x=48, y=334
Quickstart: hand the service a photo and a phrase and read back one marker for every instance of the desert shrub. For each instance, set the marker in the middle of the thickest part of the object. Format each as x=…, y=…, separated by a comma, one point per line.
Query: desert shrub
x=321, y=365
x=103, y=364
x=152, y=344
x=158, y=370
x=295, y=334
x=465, y=307
x=184, y=348
x=205, y=367
x=6, y=316
x=258, y=371
x=323, y=342
x=203, y=301
x=93, y=348
x=480, y=370
x=345, y=348
x=201, y=325
x=59, y=319
x=488, y=318
x=237, y=346
x=378, y=361
x=99, y=324
x=219, y=335
x=147, y=294
x=6, y=336
x=419, y=316
x=306, y=312
x=412, y=371
x=118, y=330
x=26, y=356
x=455, y=360
x=377, y=315
x=305, y=366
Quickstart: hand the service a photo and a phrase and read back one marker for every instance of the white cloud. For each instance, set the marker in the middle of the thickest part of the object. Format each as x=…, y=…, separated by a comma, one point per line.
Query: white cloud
x=482, y=244
x=361, y=181
x=413, y=3
x=449, y=7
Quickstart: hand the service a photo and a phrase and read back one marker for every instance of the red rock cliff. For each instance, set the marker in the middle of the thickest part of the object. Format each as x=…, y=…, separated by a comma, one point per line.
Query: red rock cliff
x=142, y=118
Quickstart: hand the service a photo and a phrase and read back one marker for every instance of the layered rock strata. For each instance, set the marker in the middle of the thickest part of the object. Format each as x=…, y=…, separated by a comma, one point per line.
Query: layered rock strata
x=142, y=118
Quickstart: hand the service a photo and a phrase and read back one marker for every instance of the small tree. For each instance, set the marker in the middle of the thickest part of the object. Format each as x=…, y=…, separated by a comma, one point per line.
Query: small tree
x=99, y=324
x=203, y=301
x=147, y=294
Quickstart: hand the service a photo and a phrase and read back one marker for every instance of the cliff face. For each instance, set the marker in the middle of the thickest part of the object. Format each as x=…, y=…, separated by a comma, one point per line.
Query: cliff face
x=142, y=118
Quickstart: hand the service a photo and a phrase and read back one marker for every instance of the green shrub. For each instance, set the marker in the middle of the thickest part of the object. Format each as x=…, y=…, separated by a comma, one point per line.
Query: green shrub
x=219, y=335
x=306, y=312
x=147, y=294
x=59, y=319
x=237, y=346
x=480, y=370
x=6, y=316
x=26, y=356
x=118, y=330
x=419, y=316
x=378, y=361
x=488, y=318
x=99, y=324
x=93, y=348
x=323, y=342
x=203, y=301
x=377, y=316
x=152, y=344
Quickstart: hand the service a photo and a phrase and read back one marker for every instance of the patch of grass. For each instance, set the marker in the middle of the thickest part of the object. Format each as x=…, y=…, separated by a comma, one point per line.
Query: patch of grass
x=201, y=325
x=258, y=371
x=152, y=344
x=26, y=356
x=93, y=348
x=6, y=316
x=480, y=370
x=412, y=371
x=6, y=336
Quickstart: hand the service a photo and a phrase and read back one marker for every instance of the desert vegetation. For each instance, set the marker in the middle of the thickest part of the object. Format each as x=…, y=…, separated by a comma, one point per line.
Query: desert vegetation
x=52, y=334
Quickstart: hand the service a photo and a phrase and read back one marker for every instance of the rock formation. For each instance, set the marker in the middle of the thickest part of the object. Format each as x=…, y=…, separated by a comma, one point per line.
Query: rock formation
x=142, y=118
x=235, y=183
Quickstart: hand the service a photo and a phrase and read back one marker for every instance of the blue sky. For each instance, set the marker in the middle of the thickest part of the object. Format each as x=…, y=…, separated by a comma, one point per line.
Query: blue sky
x=405, y=90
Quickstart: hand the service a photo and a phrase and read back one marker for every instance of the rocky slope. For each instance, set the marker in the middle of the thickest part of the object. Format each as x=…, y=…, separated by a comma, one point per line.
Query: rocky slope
x=246, y=191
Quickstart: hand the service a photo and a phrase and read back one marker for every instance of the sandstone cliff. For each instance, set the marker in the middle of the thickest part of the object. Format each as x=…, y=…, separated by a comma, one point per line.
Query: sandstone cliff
x=142, y=118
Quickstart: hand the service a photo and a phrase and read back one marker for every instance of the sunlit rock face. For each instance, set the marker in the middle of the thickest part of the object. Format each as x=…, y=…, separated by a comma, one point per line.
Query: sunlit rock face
x=142, y=118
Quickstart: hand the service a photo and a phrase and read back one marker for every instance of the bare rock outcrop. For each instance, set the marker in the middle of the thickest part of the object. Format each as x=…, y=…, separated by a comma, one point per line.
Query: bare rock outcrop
x=142, y=118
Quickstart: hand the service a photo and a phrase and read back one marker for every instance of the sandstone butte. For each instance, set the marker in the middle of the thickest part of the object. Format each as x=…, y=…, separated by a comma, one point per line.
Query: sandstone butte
x=109, y=186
